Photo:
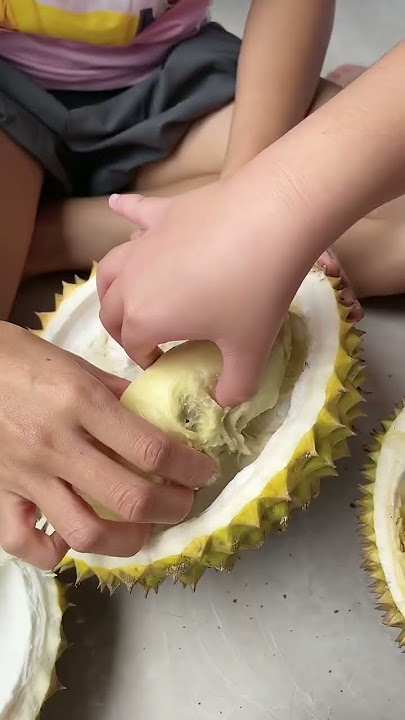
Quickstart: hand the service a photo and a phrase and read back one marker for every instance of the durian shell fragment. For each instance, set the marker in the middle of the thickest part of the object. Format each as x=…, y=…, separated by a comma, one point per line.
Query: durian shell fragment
x=55, y=685
x=294, y=487
x=37, y=678
x=372, y=564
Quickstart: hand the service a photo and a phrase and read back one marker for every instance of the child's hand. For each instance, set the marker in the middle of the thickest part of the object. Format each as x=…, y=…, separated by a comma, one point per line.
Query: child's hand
x=199, y=272
x=53, y=406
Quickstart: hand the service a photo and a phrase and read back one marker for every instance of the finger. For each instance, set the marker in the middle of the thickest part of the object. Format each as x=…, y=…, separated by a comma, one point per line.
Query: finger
x=356, y=312
x=81, y=528
x=112, y=312
x=145, y=212
x=329, y=263
x=144, y=354
x=241, y=375
x=144, y=446
x=110, y=266
x=123, y=492
x=113, y=320
x=20, y=538
x=347, y=296
x=333, y=268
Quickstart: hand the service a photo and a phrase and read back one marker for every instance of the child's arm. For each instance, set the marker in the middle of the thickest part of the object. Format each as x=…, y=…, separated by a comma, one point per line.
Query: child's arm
x=347, y=158
x=282, y=53
x=224, y=262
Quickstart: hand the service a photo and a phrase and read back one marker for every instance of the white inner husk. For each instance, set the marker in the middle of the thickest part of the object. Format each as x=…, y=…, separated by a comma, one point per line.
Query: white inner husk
x=389, y=510
x=30, y=620
x=76, y=327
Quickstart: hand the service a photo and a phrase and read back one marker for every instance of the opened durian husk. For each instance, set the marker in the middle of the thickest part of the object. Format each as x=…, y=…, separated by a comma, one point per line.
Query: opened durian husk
x=308, y=401
x=382, y=518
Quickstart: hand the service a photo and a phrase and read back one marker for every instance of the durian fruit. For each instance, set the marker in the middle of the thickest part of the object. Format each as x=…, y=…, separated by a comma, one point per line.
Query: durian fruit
x=31, y=609
x=382, y=517
x=272, y=451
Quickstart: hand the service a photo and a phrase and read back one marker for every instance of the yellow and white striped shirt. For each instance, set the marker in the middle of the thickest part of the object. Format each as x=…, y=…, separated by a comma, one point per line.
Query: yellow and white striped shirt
x=99, y=22
x=94, y=43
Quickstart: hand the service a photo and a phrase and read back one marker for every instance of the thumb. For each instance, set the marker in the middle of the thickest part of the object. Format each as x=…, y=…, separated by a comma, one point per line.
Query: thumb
x=241, y=375
x=142, y=211
x=111, y=266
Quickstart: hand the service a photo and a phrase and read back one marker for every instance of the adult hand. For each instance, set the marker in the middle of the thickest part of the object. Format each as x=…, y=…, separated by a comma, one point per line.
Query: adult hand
x=56, y=412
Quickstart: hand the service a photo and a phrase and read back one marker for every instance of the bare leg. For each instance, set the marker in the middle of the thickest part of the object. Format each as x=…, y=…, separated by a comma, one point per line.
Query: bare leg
x=20, y=187
x=372, y=252
x=71, y=234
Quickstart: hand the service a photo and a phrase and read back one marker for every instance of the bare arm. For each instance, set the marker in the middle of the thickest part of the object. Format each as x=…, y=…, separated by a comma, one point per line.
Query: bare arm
x=238, y=249
x=344, y=160
x=282, y=53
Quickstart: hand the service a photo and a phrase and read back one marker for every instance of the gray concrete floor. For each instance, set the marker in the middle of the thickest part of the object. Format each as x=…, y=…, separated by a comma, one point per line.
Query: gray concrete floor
x=292, y=633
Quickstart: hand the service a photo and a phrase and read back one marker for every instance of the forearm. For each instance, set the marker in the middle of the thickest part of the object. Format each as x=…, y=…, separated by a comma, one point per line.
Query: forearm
x=338, y=164
x=282, y=53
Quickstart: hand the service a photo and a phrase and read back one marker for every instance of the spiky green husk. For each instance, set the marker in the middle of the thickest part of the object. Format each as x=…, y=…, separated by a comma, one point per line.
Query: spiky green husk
x=294, y=487
x=371, y=564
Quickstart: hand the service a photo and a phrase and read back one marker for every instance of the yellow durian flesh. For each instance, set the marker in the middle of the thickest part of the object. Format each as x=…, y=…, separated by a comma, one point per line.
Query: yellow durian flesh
x=176, y=395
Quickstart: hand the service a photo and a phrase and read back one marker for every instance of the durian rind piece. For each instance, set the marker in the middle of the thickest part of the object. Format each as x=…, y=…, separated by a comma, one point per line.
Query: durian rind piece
x=28, y=674
x=294, y=486
x=382, y=520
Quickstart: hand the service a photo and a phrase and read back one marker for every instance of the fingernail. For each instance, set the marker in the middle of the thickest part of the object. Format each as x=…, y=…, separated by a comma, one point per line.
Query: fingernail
x=356, y=311
x=113, y=199
x=347, y=297
x=213, y=479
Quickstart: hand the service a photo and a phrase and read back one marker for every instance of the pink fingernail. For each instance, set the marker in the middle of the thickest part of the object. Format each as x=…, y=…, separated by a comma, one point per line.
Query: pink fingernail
x=112, y=199
x=213, y=479
x=347, y=296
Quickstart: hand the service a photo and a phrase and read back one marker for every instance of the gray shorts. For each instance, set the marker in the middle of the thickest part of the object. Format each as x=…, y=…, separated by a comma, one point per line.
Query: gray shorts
x=92, y=143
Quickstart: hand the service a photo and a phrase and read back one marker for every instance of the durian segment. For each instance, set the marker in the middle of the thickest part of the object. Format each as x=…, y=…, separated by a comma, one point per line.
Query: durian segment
x=31, y=638
x=382, y=517
x=175, y=394
x=324, y=402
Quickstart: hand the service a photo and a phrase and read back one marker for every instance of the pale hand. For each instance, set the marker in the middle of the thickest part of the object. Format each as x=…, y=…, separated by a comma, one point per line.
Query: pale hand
x=200, y=271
